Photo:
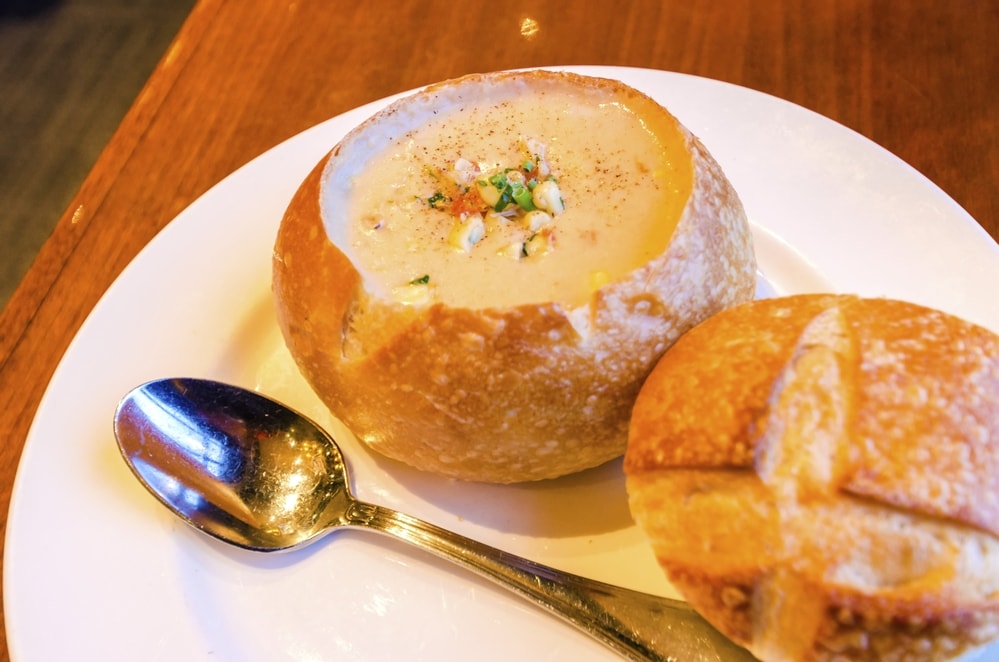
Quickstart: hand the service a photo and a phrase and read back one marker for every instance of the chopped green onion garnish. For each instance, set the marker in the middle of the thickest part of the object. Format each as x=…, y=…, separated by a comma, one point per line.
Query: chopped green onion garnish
x=498, y=180
x=505, y=199
x=422, y=280
x=522, y=196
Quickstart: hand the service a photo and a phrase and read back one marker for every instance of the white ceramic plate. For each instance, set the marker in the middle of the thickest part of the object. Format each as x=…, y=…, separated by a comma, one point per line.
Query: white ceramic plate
x=96, y=569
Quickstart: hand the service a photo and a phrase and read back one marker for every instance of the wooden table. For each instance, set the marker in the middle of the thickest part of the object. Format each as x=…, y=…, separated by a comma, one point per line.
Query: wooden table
x=918, y=77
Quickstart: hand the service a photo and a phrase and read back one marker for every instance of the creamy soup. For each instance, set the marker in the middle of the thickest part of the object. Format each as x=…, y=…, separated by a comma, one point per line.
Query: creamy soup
x=517, y=198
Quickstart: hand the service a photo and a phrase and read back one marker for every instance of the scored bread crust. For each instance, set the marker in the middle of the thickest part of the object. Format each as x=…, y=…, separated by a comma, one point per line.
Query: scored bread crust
x=819, y=476
x=501, y=394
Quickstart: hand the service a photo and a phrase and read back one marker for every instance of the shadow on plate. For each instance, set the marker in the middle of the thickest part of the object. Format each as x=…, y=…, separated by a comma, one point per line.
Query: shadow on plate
x=587, y=503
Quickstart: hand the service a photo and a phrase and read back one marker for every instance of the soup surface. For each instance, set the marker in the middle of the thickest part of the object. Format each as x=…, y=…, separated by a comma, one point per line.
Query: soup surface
x=513, y=198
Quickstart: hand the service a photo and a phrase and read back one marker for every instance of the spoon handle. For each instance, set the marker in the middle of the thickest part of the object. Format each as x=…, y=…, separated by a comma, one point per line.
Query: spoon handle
x=637, y=625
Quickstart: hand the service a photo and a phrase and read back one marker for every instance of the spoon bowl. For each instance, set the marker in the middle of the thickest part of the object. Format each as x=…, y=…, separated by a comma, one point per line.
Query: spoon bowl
x=234, y=464
x=256, y=474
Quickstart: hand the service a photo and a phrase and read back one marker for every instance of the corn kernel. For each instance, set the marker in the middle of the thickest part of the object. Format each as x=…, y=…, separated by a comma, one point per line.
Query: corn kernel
x=489, y=193
x=537, y=244
x=413, y=294
x=514, y=250
x=536, y=220
x=548, y=197
x=467, y=232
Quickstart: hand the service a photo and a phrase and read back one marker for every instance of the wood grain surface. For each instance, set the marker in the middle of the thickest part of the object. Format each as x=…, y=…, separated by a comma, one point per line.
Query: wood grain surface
x=917, y=77
x=69, y=72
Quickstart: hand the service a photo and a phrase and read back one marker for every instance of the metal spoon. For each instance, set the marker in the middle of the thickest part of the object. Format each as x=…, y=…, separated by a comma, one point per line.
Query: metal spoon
x=253, y=473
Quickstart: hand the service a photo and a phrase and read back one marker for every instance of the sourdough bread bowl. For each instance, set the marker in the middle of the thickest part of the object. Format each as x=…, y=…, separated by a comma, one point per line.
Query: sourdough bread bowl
x=819, y=476
x=478, y=278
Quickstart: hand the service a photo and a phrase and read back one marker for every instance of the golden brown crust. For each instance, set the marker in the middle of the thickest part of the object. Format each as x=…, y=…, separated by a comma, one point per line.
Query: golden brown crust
x=501, y=394
x=838, y=449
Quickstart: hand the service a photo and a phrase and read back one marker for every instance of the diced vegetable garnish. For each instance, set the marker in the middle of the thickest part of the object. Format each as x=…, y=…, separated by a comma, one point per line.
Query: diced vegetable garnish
x=479, y=202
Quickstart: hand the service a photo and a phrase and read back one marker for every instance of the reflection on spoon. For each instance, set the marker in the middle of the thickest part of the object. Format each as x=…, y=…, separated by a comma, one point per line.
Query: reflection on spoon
x=255, y=474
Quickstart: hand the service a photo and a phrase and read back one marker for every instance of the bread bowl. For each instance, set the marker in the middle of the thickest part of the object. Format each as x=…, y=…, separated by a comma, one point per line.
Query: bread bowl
x=831, y=492
x=417, y=300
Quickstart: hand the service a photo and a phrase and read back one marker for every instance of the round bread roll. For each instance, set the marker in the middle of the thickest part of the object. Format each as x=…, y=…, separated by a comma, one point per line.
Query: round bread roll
x=819, y=476
x=477, y=279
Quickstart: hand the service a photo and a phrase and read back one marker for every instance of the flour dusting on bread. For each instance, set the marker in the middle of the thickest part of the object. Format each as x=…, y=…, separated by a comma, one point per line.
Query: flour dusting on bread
x=830, y=493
